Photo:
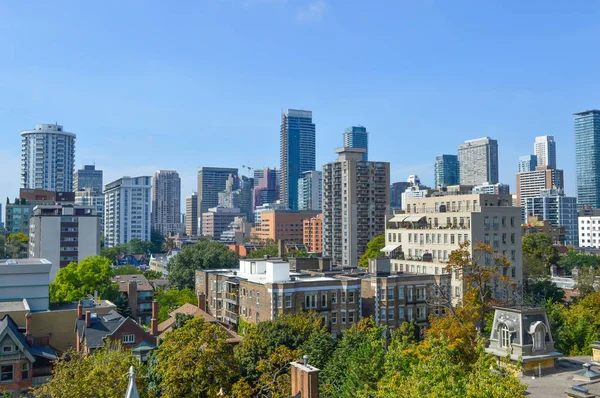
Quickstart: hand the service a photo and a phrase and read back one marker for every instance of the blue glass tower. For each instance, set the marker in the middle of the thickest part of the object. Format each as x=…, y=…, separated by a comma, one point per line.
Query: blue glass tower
x=357, y=137
x=587, y=157
x=297, y=152
x=446, y=170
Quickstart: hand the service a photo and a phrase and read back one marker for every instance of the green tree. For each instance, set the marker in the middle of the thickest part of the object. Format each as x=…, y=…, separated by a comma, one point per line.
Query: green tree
x=122, y=305
x=540, y=246
x=357, y=362
x=157, y=240
x=16, y=245
x=127, y=270
x=205, y=254
x=3, y=247
x=76, y=281
x=373, y=250
x=574, y=259
x=138, y=246
x=168, y=244
x=543, y=290
x=104, y=374
x=171, y=299
x=181, y=319
x=577, y=326
x=269, y=249
x=153, y=274
x=195, y=361
x=586, y=281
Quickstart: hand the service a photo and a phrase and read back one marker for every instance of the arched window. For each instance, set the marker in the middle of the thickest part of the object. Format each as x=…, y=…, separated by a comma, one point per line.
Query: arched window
x=504, y=336
x=537, y=331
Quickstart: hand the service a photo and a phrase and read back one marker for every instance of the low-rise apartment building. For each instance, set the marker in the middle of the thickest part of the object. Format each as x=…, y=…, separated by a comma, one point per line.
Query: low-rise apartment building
x=421, y=239
x=286, y=225
x=312, y=229
x=139, y=293
x=262, y=289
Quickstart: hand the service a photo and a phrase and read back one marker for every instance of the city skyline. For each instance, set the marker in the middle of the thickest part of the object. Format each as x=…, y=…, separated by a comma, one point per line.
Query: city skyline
x=517, y=102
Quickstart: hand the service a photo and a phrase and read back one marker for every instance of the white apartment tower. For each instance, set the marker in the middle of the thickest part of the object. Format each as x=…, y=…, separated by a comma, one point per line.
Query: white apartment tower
x=545, y=150
x=310, y=190
x=356, y=198
x=47, y=158
x=478, y=161
x=166, y=202
x=127, y=210
x=421, y=240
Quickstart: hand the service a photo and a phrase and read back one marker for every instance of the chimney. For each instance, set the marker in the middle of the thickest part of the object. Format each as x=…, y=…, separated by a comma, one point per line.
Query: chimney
x=280, y=248
x=88, y=319
x=154, y=320
x=201, y=302
x=305, y=380
x=132, y=298
x=28, y=335
x=80, y=310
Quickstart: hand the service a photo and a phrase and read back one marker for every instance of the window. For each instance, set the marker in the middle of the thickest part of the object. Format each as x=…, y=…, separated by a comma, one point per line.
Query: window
x=512, y=221
x=513, y=238
x=279, y=301
x=323, y=300
x=456, y=291
x=351, y=297
x=504, y=336
x=334, y=318
x=409, y=313
x=128, y=338
x=539, y=336
x=8, y=348
x=351, y=317
x=6, y=373
x=513, y=272
x=288, y=301
x=334, y=298
x=24, y=371
x=401, y=293
x=452, y=239
x=503, y=221
x=383, y=312
x=257, y=298
x=391, y=314
x=343, y=317
x=420, y=313
x=258, y=317
x=410, y=294
x=343, y=296
x=400, y=313
x=486, y=223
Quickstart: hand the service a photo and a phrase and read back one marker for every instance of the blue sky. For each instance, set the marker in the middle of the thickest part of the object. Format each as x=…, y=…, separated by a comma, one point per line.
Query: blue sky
x=150, y=85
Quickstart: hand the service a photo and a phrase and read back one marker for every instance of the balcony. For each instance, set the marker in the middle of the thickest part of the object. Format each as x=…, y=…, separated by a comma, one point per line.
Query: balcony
x=231, y=297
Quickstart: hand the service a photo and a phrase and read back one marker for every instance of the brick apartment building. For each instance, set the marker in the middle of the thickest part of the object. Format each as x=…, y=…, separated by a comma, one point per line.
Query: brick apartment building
x=284, y=225
x=139, y=292
x=312, y=231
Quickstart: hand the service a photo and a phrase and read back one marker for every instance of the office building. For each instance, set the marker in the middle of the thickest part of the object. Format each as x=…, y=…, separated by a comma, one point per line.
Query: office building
x=286, y=225
x=310, y=190
x=396, y=190
x=446, y=171
x=527, y=163
x=312, y=231
x=92, y=198
x=353, y=212
x=191, y=214
x=26, y=279
x=238, y=194
x=263, y=289
x=127, y=210
x=587, y=157
x=357, y=137
x=266, y=187
x=492, y=189
x=47, y=158
x=552, y=205
x=544, y=149
x=421, y=240
x=211, y=181
x=64, y=233
x=166, y=202
x=589, y=227
x=266, y=207
x=217, y=220
x=530, y=184
x=478, y=161
x=88, y=177
x=297, y=153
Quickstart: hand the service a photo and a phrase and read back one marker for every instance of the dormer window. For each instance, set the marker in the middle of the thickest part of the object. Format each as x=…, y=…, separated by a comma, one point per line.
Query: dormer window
x=9, y=348
x=128, y=338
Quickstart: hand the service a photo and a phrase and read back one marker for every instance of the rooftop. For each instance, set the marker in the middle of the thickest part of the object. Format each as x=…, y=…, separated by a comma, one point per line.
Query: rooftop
x=142, y=283
x=554, y=383
x=25, y=261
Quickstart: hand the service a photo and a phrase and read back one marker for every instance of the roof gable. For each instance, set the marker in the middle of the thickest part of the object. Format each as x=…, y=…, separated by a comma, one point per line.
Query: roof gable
x=8, y=327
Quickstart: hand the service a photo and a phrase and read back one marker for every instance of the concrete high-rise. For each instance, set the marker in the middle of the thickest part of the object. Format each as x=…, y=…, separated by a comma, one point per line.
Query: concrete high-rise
x=545, y=150
x=297, y=153
x=478, y=161
x=89, y=197
x=238, y=194
x=587, y=157
x=127, y=210
x=446, y=171
x=266, y=187
x=88, y=177
x=530, y=184
x=310, y=190
x=47, y=158
x=353, y=212
x=64, y=233
x=357, y=137
x=166, y=202
x=191, y=214
x=560, y=210
x=527, y=163
x=211, y=181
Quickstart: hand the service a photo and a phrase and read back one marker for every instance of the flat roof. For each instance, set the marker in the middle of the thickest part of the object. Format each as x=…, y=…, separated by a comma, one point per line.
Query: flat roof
x=24, y=261
x=13, y=306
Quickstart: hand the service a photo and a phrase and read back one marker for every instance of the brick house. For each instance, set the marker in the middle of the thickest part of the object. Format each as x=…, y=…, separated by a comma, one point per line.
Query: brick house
x=93, y=330
x=139, y=292
x=23, y=363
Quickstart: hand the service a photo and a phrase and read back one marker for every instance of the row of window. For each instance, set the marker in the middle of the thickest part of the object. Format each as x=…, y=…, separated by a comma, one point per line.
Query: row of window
x=389, y=313
x=7, y=372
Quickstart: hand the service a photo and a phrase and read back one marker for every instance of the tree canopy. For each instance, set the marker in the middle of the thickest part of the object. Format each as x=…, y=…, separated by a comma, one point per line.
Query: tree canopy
x=171, y=299
x=206, y=254
x=373, y=250
x=77, y=280
x=103, y=374
x=16, y=245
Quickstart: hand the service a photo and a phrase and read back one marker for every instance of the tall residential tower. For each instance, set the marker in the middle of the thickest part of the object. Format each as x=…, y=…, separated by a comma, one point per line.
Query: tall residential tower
x=357, y=137
x=297, y=152
x=446, y=171
x=88, y=177
x=478, y=161
x=166, y=202
x=47, y=158
x=545, y=150
x=587, y=157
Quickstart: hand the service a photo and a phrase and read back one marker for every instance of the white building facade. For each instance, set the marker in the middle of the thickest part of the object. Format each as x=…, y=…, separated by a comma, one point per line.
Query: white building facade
x=127, y=210
x=26, y=278
x=89, y=197
x=310, y=190
x=545, y=150
x=589, y=228
x=558, y=209
x=47, y=158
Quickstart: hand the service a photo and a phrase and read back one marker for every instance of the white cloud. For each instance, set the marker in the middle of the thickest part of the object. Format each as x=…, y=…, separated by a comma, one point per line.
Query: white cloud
x=313, y=12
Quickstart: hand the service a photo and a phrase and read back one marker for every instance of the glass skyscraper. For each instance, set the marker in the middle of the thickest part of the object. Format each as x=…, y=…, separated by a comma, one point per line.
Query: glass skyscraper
x=297, y=153
x=527, y=163
x=357, y=137
x=587, y=157
x=446, y=170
